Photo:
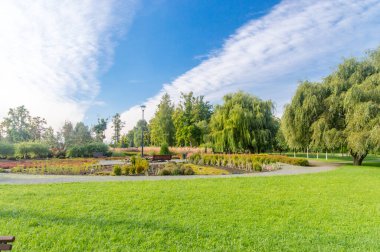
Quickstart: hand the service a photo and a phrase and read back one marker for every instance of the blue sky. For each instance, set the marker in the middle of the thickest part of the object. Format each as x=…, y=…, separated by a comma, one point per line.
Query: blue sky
x=77, y=60
x=166, y=39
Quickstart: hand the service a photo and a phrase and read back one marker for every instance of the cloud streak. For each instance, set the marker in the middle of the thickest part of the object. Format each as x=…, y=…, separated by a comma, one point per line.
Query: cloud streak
x=296, y=40
x=52, y=51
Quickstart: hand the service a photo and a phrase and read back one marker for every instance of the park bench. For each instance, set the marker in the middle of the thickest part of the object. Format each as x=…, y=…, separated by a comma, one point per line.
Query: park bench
x=161, y=157
x=4, y=243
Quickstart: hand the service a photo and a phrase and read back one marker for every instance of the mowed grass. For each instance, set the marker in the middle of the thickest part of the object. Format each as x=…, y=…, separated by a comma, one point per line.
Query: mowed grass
x=331, y=211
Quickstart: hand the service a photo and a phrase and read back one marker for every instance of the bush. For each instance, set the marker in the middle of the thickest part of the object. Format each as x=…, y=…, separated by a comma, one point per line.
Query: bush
x=175, y=169
x=31, y=150
x=164, y=149
x=2, y=170
x=117, y=170
x=257, y=167
x=87, y=150
x=6, y=150
x=244, y=161
x=117, y=154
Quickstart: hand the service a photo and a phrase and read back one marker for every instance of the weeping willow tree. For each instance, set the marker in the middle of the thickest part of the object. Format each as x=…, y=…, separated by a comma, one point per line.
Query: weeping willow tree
x=343, y=111
x=243, y=123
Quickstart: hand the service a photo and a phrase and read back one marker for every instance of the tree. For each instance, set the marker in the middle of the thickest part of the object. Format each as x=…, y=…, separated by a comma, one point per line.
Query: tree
x=82, y=134
x=37, y=128
x=187, y=118
x=117, y=127
x=67, y=133
x=99, y=129
x=342, y=112
x=161, y=125
x=141, y=125
x=243, y=123
x=17, y=125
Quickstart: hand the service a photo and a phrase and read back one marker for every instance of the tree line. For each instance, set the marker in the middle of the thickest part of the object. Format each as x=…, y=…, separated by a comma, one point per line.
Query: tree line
x=339, y=113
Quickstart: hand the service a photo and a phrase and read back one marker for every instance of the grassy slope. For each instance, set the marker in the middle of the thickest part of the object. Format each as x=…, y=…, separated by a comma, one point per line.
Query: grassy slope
x=338, y=210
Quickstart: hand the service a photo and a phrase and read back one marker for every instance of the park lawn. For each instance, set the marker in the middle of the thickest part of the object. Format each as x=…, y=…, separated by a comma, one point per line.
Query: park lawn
x=332, y=211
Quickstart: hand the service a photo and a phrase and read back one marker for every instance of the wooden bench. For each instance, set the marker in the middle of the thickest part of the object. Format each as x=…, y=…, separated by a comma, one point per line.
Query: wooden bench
x=4, y=242
x=161, y=157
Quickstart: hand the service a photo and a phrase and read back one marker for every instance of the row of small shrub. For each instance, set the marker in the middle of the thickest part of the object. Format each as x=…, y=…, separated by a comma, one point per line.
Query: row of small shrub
x=248, y=162
x=24, y=150
x=87, y=150
x=173, y=168
x=59, y=169
x=137, y=166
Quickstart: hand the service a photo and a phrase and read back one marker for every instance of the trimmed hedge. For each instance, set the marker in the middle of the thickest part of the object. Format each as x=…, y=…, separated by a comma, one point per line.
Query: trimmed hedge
x=248, y=162
x=87, y=150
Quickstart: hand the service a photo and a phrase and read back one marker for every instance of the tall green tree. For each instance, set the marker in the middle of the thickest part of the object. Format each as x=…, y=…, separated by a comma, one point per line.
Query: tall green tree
x=161, y=126
x=346, y=112
x=117, y=126
x=191, y=119
x=17, y=125
x=243, y=123
x=141, y=125
x=99, y=129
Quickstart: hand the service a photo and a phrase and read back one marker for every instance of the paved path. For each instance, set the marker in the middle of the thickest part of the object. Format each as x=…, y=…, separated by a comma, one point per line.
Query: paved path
x=9, y=178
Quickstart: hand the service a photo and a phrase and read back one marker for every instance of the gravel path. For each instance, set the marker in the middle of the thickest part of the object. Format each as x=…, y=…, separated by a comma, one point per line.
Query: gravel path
x=9, y=178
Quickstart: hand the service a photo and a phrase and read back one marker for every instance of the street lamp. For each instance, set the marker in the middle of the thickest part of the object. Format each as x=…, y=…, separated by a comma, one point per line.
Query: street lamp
x=142, y=131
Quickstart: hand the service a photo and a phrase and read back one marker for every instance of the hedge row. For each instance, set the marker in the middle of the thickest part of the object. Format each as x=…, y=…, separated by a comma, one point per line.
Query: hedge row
x=248, y=162
x=87, y=150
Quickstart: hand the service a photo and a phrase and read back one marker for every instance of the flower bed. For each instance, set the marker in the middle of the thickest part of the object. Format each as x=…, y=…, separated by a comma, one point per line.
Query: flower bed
x=78, y=166
x=247, y=162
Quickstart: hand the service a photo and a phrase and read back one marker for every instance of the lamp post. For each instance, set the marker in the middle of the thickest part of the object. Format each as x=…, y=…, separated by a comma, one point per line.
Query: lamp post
x=142, y=131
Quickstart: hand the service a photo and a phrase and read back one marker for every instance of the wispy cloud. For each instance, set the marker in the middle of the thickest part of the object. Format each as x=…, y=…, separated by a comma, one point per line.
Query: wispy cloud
x=52, y=51
x=296, y=40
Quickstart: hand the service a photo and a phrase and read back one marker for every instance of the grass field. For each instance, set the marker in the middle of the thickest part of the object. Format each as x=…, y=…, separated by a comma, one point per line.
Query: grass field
x=332, y=211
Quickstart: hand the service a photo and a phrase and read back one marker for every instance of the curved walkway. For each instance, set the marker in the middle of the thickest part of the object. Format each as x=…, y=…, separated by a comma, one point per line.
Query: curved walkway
x=11, y=178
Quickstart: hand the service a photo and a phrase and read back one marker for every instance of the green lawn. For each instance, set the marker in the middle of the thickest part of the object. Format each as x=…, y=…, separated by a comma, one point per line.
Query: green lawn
x=332, y=211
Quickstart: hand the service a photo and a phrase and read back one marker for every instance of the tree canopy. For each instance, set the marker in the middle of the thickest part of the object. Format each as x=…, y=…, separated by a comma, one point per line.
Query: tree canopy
x=341, y=112
x=243, y=123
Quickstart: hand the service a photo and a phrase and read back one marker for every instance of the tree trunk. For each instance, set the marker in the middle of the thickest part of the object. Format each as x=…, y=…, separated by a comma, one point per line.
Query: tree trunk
x=358, y=158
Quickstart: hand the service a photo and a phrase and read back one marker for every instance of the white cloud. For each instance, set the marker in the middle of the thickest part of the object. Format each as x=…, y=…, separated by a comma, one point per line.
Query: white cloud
x=52, y=51
x=297, y=40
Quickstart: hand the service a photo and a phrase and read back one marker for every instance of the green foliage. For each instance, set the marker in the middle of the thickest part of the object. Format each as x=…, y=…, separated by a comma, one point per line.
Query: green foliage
x=117, y=126
x=191, y=119
x=161, y=125
x=117, y=170
x=6, y=150
x=247, y=162
x=141, y=125
x=341, y=112
x=99, y=129
x=164, y=150
x=86, y=150
x=173, y=168
x=76, y=136
x=138, y=166
x=31, y=150
x=243, y=123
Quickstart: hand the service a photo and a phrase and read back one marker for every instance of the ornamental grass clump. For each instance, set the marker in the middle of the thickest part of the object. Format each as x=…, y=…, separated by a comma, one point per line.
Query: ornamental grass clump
x=247, y=162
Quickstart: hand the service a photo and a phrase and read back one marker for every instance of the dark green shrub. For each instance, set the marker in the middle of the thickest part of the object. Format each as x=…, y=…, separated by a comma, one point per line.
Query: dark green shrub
x=7, y=150
x=31, y=150
x=87, y=150
x=164, y=150
x=117, y=170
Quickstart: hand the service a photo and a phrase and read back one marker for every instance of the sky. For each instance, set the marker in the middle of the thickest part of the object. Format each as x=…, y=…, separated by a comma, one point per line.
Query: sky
x=80, y=60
